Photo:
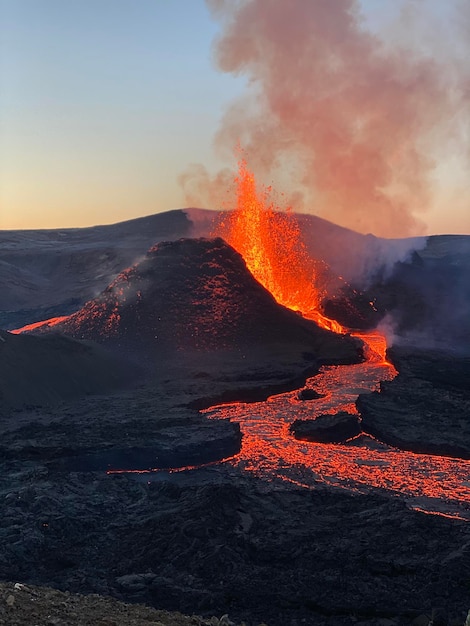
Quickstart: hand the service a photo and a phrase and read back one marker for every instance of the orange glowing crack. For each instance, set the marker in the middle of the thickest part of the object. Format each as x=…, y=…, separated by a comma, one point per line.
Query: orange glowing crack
x=44, y=324
x=172, y=470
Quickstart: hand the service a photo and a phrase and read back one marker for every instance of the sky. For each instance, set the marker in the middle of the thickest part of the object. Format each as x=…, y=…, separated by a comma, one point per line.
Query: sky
x=106, y=105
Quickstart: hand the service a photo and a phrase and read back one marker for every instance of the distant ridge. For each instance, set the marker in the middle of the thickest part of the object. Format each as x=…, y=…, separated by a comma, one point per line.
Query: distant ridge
x=45, y=268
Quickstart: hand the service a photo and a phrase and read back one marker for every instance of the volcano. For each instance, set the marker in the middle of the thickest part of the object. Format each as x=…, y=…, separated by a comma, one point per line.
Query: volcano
x=54, y=273
x=230, y=476
x=197, y=295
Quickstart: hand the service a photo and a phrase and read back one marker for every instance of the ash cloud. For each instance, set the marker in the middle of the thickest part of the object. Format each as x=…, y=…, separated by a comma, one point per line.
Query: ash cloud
x=349, y=123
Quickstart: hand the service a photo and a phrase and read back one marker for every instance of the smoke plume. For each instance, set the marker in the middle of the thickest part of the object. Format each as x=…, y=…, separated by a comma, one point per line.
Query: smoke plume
x=348, y=125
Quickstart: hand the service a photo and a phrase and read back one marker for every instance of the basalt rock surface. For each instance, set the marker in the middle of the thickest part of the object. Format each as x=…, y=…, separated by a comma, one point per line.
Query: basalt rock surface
x=445, y=370
x=49, y=369
x=309, y=394
x=21, y=605
x=50, y=272
x=189, y=308
x=327, y=428
x=212, y=540
x=138, y=429
x=217, y=539
x=428, y=295
x=426, y=408
x=214, y=543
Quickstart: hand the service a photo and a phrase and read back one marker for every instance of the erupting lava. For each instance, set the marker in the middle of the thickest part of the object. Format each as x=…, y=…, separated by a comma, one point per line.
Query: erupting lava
x=271, y=244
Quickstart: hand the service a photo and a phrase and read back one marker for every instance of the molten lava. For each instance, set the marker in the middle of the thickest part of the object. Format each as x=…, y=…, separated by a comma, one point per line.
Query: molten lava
x=271, y=243
x=52, y=321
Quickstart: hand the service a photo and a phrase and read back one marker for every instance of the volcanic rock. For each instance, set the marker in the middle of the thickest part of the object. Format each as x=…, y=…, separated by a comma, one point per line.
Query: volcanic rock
x=426, y=407
x=38, y=370
x=192, y=547
x=427, y=292
x=49, y=273
x=353, y=308
x=189, y=444
x=196, y=295
x=444, y=369
x=309, y=394
x=327, y=428
x=51, y=607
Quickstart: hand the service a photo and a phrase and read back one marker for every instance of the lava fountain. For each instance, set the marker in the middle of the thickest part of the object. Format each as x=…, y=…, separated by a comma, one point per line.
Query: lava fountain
x=271, y=243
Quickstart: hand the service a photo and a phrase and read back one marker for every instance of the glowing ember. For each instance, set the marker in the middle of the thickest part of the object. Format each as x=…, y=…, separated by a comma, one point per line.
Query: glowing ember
x=270, y=241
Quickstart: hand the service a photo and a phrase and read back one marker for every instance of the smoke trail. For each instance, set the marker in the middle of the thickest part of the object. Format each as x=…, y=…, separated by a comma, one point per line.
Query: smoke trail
x=335, y=115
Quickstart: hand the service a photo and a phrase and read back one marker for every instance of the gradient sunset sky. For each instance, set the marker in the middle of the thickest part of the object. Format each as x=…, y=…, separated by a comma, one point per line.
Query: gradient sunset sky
x=104, y=103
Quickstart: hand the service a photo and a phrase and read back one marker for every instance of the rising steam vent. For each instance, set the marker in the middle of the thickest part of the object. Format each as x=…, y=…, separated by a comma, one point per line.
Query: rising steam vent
x=197, y=294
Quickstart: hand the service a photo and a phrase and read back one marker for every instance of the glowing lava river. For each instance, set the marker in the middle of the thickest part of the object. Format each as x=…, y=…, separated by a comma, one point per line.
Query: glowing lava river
x=428, y=483
x=432, y=484
x=271, y=245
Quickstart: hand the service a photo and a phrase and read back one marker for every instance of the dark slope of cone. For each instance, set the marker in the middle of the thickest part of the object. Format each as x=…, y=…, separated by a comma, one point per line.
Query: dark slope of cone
x=41, y=370
x=197, y=294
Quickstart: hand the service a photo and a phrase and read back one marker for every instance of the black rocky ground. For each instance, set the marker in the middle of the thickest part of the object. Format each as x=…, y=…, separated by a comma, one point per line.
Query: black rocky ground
x=425, y=298
x=212, y=540
x=48, y=369
x=228, y=544
x=215, y=539
x=189, y=308
x=426, y=408
x=190, y=305
x=24, y=605
x=46, y=273
x=327, y=428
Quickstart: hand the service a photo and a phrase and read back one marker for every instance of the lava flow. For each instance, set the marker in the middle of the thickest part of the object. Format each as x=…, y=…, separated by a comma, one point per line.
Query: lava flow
x=428, y=483
x=53, y=321
x=272, y=247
